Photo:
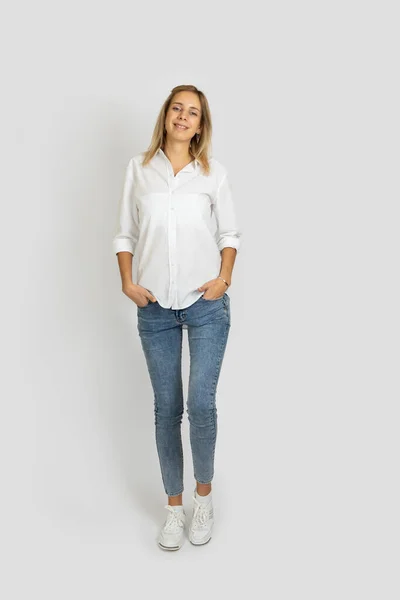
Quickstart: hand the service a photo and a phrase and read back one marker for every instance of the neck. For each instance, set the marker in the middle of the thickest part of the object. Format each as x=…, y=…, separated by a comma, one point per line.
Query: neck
x=177, y=151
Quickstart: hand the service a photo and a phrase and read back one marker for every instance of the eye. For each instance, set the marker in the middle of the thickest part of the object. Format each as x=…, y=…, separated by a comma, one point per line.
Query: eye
x=175, y=107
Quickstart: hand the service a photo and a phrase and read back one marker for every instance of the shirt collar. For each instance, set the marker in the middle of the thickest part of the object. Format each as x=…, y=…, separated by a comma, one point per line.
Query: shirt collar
x=188, y=169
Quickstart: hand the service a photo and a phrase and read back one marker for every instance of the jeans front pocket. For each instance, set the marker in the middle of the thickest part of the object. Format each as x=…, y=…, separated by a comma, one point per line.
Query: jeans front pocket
x=145, y=306
x=212, y=299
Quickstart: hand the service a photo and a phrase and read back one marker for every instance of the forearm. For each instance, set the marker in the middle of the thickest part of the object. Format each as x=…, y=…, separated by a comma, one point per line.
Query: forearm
x=125, y=267
x=228, y=257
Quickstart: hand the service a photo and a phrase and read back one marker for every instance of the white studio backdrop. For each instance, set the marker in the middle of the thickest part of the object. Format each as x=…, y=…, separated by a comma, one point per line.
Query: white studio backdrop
x=304, y=99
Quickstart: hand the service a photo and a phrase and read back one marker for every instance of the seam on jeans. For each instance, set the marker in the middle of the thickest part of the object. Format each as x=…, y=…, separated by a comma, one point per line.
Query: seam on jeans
x=183, y=412
x=183, y=406
x=214, y=393
x=227, y=308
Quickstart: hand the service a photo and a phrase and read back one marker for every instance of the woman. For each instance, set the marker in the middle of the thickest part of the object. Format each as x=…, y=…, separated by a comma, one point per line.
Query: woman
x=177, y=215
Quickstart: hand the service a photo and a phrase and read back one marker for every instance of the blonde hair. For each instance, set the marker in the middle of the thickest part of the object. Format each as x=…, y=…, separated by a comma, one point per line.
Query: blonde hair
x=200, y=146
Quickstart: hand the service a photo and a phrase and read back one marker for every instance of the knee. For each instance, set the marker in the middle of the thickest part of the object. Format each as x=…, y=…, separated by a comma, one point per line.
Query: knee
x=168, y=418
x=201, y=416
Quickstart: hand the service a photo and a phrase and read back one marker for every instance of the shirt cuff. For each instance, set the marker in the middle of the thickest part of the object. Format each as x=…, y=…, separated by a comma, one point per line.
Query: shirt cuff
x=123, y=246
x=229, y=242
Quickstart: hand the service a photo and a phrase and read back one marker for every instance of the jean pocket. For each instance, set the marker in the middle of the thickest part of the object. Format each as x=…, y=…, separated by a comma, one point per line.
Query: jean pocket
x=146, y=305
x=211, y=299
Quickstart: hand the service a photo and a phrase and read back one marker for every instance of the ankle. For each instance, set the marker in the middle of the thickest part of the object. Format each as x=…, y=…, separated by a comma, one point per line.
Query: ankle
x=203, y=489
x=175, y=500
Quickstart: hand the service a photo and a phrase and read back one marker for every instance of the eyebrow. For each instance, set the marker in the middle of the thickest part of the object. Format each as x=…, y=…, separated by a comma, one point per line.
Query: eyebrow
x=189, y=106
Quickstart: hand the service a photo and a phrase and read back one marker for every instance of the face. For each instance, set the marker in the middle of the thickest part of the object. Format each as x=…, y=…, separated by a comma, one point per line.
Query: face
x=184, y=110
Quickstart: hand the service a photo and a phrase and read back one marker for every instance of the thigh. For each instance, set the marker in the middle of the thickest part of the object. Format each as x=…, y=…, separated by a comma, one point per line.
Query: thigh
x=161, y=340
x=208, y=331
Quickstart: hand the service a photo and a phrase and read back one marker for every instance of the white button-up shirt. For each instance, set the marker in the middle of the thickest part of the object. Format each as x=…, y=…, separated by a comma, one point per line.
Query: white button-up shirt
x=177, y=226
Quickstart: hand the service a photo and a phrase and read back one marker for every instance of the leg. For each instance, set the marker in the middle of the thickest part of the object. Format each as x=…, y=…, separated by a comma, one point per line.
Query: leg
x=161, y=340
x=203, y=489
x=207, y=335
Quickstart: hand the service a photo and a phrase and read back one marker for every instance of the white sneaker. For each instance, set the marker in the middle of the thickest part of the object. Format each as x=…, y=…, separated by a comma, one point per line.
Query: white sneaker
x=200, y=529
x=172, y=532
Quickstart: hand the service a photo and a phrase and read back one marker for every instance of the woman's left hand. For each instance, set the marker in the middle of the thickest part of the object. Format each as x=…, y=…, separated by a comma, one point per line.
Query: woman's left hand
x=215, y=288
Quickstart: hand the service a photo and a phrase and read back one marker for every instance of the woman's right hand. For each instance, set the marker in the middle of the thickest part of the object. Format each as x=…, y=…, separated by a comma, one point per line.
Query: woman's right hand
x=140, y=295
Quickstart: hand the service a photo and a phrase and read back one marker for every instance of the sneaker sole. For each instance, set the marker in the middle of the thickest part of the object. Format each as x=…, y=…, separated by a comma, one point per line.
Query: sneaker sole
x=200, y=543
x=170, y=548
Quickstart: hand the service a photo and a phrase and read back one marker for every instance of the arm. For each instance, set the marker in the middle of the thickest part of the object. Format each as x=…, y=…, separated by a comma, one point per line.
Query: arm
x=126, y=238
x=228, y=234
x=227, y=238
x=125, y=267
x=228, y=260
x=127, y=234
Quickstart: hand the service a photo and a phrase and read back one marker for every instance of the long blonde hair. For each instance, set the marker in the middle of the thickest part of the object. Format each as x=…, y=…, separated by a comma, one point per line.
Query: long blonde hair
x=200, y=147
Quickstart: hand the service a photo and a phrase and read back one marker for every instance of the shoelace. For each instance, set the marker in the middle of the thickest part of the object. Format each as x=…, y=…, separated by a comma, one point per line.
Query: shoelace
x=200, y=515
x=174, y=520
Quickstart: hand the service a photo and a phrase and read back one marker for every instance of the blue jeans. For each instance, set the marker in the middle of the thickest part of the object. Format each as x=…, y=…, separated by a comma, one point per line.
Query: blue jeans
x=160, y=331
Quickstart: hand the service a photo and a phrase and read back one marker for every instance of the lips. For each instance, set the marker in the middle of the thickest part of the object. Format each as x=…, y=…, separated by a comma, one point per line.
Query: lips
x=179, y=126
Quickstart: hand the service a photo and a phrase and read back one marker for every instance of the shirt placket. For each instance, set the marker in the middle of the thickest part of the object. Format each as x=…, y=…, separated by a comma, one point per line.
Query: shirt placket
x=173, y=290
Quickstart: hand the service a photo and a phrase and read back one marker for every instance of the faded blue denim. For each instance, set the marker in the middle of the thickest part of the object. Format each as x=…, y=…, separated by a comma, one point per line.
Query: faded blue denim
x=161, y=332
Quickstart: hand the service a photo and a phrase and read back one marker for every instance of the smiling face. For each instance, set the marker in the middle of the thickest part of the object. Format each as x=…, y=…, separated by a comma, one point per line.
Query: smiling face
x=183, y=117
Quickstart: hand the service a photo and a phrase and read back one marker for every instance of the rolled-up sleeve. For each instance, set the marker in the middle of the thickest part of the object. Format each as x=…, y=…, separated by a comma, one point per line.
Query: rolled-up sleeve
x=127, y=228
x=228, y=231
